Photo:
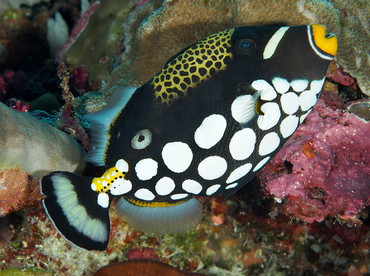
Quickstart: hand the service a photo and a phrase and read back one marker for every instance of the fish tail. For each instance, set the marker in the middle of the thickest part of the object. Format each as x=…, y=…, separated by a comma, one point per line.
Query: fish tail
x=73, y=207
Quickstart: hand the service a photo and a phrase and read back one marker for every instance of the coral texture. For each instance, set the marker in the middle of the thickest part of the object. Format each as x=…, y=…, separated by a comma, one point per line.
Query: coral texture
x=17, y=189
x=324, y=169
x=35, y=146
x=179, y=23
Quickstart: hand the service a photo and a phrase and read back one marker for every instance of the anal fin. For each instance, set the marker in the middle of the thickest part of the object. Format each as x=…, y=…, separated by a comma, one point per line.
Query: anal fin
x=175, y=218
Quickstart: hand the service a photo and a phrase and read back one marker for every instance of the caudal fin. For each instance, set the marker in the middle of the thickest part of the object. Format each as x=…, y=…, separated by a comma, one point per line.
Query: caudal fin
x=73, y=208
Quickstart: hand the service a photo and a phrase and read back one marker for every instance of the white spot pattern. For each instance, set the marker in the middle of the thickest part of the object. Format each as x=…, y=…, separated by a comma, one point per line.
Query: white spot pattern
x=307, y=99
x=122, y=165
x=165, y=186
x=233, y=185
x=178, y=196
x=301, y=119
x=120, y=186
x=243, y=108
x=299, y=85
x=271, y=116
x=316, y=85
x=144, y=194
x=103, y=200
x=281, y=85
x=212, y=167
x=288, y=125
x=268, y=93
x=261, y=163
x=239, y=173
x=177, y=156
x=142, y=139
x=269, y=143
x=210, y=131
x=192, y=186
x=211, y=190
x=146, y=168
x=242, y=144
x=289, y=102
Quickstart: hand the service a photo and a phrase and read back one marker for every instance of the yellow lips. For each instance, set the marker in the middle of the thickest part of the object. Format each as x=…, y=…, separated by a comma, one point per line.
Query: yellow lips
x=327, y=44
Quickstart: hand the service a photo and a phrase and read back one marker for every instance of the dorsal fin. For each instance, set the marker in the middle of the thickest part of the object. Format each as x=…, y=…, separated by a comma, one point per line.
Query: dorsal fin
x=100, y=123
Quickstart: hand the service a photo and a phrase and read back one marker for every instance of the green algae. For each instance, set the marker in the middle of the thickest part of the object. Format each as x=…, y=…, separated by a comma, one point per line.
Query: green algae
x=13, y=271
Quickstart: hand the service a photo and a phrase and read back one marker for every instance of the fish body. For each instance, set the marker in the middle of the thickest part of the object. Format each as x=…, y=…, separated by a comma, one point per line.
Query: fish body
x=215, y=114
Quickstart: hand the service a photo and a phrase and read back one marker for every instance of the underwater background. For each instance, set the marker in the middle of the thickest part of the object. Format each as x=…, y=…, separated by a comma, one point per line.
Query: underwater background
x=305, y=213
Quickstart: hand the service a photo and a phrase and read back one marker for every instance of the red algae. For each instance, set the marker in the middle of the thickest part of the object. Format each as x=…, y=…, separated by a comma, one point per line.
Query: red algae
x=324, y=169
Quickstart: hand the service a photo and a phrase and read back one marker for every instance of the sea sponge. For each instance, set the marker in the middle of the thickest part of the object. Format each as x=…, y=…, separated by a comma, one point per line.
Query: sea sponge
x=35, y=146
x=17, y=189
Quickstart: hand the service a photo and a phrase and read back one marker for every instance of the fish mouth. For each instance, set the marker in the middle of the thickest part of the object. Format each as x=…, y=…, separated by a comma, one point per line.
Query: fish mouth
x=324, y=44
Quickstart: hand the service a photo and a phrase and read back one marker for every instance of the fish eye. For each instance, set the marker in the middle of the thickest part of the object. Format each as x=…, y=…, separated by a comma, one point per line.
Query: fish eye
x=142, y=139
x=245, y=46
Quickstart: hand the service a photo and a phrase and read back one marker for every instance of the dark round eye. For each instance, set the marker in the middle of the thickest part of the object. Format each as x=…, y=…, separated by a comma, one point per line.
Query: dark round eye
x=245, y=46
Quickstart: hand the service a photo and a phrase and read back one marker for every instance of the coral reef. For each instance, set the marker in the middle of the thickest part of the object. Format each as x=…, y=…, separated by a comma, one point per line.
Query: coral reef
x=141, y=267
x=17, y=190
x=171, y=29
x=324, y=169
x=35, y=146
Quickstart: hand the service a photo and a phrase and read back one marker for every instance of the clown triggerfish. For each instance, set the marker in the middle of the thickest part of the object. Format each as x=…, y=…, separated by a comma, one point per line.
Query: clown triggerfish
x=216, y=113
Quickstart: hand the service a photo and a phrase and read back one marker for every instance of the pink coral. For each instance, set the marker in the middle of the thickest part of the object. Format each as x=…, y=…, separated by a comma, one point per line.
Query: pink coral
x=324, y=169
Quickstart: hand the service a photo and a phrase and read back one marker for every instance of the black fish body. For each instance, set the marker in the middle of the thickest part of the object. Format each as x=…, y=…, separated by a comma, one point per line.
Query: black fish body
x=215, y=114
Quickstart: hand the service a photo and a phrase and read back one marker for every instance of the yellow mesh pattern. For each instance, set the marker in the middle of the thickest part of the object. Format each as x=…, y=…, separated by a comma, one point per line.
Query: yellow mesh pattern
x=200, y=62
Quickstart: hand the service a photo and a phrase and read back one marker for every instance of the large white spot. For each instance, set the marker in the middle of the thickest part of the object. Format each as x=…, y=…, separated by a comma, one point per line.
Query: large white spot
x=192, y=186
x=268, y=93
x=178, y=196
x=289, y=102
x=146, y=168
x=316, y=85
x=261, y=163
x=281, y=85
x=239, y=173
x=288, y=125
x=103, y=200
x=122, y=165
x=165, y=186
x=177, y=156
x=271, y=116
x=299, y=85
x=243, y=108
x=242, y=144
x=210, y=132
x=274, y=42
x=269, y=143
x=120, y=186
x=144, y=194
x=307, y=99
x=211, y=190
x=212, y=167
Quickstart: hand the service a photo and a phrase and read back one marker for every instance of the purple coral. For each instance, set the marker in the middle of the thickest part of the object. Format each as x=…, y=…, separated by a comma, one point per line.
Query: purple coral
x=324, y=169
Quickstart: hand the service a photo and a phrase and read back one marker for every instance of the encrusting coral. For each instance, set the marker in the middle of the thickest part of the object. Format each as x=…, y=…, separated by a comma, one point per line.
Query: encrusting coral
x=324, y=169
x=35, y=146
x=179, y=23
x=17, y=190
